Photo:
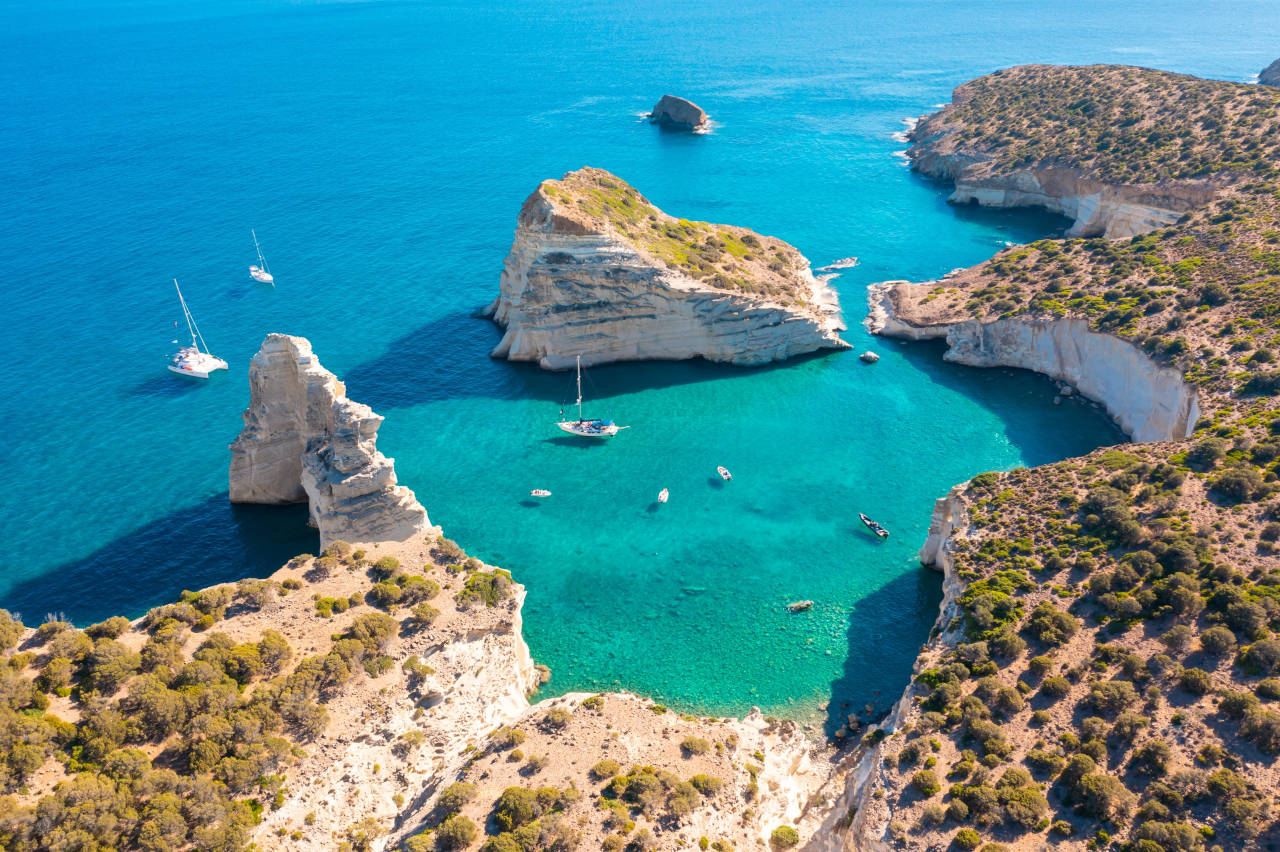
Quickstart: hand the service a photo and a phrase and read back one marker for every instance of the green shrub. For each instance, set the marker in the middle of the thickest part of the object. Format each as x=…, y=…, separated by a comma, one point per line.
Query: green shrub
x=694, y=746
x=784, y=837
x=455, y=833
x=605, y=769
x=967, y=838
x=488, y=588
x=707, y=785
x=926, y=783
x=1196, y=681
x=455, y=796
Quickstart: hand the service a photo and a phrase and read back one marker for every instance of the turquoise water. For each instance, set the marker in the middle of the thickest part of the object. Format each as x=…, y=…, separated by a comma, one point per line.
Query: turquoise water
x=382, y=151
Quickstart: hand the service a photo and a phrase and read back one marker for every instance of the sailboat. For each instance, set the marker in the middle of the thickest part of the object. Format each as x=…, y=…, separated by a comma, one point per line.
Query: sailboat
x=260, y=271
x=191, y=360
x=588, y=428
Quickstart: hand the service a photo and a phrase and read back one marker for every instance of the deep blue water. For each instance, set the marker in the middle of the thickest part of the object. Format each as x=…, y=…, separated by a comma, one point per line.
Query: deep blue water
x=382, y=150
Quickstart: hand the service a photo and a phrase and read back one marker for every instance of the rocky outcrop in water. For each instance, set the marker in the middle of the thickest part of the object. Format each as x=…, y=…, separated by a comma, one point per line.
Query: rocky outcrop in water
x=1270, y=75
x=1148, y=401
x=303, y=440
x=597, y=271
x=680, y=114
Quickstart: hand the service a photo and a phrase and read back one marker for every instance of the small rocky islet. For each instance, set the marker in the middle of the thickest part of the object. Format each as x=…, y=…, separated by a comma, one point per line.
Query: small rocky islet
x=1104, y=668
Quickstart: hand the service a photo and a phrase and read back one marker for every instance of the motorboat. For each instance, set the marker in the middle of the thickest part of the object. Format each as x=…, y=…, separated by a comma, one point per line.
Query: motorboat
x=539, y=492
x=869, y=357
x=724, y=473
x=873, y=526
x=663, y=495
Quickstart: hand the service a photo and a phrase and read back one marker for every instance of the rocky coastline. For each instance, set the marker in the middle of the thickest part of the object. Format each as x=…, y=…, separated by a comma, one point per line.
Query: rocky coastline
x=597, y=271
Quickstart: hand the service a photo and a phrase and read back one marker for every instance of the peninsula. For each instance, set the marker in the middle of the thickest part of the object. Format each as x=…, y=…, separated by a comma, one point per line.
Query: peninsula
x=1103, y=665
x=596, y=270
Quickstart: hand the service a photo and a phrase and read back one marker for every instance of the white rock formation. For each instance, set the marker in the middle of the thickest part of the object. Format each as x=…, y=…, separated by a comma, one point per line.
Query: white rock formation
x=573, y=287
x=1148, y=401
x=1096, y=208
x=304, y=440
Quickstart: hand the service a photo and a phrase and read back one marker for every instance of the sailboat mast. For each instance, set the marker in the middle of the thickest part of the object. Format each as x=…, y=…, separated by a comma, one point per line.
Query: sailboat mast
x=579, y=385
x=262, y=263
x=186, y=314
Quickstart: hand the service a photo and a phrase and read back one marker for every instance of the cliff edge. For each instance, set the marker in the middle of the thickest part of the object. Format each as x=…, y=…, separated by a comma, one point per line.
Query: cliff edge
x=1119, y=150
x=597, y=270
x=1270, y=76
x=303, y=440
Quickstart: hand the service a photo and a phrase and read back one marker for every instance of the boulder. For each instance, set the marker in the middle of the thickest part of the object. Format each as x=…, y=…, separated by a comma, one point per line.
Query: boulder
x=678, y=113
x=1270, y=75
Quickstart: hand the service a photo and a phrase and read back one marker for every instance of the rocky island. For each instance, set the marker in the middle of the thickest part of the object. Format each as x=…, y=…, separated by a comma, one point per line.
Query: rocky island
x=679, y=114
x=596, y=270
x=1103, y=669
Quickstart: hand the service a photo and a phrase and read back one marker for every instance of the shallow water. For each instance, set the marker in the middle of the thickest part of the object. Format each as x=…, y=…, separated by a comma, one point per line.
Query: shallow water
x=382, y=151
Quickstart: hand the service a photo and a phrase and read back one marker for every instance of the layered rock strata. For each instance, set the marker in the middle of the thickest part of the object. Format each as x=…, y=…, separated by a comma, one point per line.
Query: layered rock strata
x=597, y=271
x=1148, y=401
x=679, y=114
x=303, y=440
x=943, y=148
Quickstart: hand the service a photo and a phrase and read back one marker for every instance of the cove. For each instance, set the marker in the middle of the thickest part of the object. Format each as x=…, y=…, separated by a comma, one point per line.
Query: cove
x=382, y=150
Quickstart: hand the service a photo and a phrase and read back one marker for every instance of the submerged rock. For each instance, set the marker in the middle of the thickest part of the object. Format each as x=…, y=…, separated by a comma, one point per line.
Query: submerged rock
x=303, y=440
x=1270, y=75
x=597, y=271
x=679, y=113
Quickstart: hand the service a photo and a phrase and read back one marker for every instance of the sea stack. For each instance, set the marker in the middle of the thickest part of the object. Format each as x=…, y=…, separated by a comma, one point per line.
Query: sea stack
x=303, y=440
x=1270, y=75
x=598, y=271
x=679, y=114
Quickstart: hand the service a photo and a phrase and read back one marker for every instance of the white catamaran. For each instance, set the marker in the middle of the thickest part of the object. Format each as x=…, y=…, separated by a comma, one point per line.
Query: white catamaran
x=587, y=428
x=260, y=271
x=191, y=360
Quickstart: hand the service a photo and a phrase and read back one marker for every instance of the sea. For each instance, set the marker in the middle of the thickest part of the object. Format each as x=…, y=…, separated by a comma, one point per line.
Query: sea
x=381, y=150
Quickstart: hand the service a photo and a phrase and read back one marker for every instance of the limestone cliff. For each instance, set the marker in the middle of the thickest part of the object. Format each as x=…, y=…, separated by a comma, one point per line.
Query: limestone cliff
x=304, y=440
x=679, y=113
x=1148, y=401
x=1119, y=150
x=596, y=270
x=1270, y=75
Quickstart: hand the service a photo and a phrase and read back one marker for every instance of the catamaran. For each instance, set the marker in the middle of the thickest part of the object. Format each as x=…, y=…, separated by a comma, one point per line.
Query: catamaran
x=587, y=428
x=191, y=360
x=260, y=271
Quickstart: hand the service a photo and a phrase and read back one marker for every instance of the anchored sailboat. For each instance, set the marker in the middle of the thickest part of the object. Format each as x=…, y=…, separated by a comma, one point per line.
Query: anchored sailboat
x=260, y=271
x=191, y=360
x=588, y=428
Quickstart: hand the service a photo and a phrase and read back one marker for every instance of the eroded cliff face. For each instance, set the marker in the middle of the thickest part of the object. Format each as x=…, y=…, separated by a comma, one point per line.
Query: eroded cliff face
x=1095, y=208
x=304, y=440
x=575, y=284
x=1148, y=401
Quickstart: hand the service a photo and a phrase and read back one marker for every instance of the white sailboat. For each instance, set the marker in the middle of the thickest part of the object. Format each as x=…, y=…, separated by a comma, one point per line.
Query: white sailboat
x=583, y=427
x=260, y=271
x=191, y=360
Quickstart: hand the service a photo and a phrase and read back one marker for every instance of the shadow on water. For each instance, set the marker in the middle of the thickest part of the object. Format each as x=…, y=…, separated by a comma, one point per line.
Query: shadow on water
x=990, y=386
x=1023, y=224
x=878, y=666
x=214, y=542
x=166, y=385
x=449, y=358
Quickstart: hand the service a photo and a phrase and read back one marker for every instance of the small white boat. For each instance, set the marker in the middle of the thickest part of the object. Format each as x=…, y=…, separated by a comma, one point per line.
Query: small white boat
x=869, y=357
x=724, y=473
x=584, y=428
x=539, y=492
x=191, y=360
x=259, y=272
x=663, y=495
